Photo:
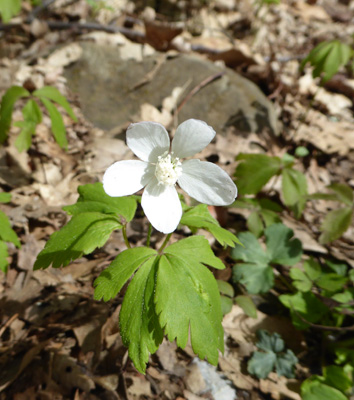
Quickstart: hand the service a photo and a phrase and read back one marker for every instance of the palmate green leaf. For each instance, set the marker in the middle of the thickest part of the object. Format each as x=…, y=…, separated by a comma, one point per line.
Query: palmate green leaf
x=258, y=277
x=113, y=278
x=7, y=234
x=24, y=139
x=7, y=105
x=245, y=203
x=32, y=112
x=52, y=93
x=313, y=269
x=256, y=272
x=32, y=116
x=306, y=305
x=261, y=364
x=344, y=355
x=270, y=217
x=94, y=199
x=343, y=192
x=187, y=299
x=81, y=235
x=284, y=364
x=226, y=296
x=323, y=196
x=337, y=377
x=269, y=205
x=226, y=304
x=3, y=257
x=9, y=8
x=346, y=298
x=327, y=58
x=351, y=275
x=254, y=171
x=225, y=288
x=314, y=389
x=264, y=213
x=5, y=197
x=157, y=298
x=282, y=248
x=338, y=56
x=300, y=280
x=195, y=249
x=337, y=266
x=257, y=204
x=58, y=127
x=269, y=342
x=335, y=224
x=251, y=251
x=247, y=305
x=331, y=282
x=294, y=190
x=199, y=217
x=255, y=224
x=139, y=325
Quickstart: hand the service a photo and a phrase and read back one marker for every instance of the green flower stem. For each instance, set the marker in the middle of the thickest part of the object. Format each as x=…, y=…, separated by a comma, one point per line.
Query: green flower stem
x=148, y=236
x=124, y=230
x=164, y=244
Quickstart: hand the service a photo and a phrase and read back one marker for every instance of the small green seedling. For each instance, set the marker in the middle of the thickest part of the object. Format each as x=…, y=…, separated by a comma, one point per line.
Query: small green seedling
x=327, y=58
x=7, y=234
x=334, y=385
x=256, y=271
x=255, y=170
x=32, y=114
x=273, y=356
x=9, y=9
x=339, y=220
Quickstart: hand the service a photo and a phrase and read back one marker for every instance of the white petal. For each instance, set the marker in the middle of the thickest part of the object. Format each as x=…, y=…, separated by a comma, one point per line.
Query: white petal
x=162, y=206
x=207, y=183
x=148, y=140
x=191, y=137
x=126, y=177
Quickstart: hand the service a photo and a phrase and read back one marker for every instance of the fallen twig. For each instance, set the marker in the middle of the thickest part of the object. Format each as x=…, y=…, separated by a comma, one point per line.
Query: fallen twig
x=58, y=25
x=200, y=85
x=151, y=74
x=8, y=323
x=37, y=10
x=324, y=327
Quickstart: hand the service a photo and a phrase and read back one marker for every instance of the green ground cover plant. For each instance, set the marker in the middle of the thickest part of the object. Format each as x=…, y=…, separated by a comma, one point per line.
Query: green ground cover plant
x=32, y=114
x=7, y=234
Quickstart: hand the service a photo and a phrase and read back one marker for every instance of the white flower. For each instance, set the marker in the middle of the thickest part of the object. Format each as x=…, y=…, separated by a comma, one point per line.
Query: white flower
x=161, y=168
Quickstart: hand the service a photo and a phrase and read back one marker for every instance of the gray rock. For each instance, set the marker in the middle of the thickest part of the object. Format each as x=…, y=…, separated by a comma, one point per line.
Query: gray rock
x=103, y=81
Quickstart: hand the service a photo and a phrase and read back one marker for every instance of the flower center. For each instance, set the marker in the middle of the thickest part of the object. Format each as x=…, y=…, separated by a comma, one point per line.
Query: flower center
x=167, y=169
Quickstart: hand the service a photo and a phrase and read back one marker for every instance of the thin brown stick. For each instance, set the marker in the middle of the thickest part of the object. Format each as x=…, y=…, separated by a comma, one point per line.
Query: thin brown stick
x=151, y=74
x=60, y=25
x=200, y=85
x=324, y=327
x=8, y=323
